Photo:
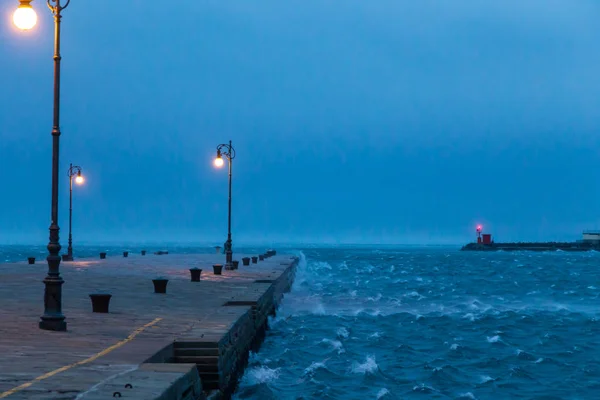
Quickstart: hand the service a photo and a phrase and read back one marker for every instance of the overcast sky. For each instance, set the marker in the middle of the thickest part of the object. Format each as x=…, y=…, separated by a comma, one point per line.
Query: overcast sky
x=354, y=121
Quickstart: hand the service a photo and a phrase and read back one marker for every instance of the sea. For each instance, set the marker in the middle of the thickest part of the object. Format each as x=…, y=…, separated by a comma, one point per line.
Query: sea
x=375, y=322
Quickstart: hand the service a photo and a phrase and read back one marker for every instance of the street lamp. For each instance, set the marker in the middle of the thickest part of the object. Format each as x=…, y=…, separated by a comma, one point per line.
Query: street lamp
x=53, y=318
x=74, y=171
x=229, y=152
x=25, y=17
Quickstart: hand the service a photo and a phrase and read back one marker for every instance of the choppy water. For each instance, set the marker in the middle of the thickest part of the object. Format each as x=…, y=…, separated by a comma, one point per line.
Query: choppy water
x=406, y=323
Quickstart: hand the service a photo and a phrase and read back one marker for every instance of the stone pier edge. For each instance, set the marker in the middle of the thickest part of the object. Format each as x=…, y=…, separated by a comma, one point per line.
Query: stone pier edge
x=194, y=379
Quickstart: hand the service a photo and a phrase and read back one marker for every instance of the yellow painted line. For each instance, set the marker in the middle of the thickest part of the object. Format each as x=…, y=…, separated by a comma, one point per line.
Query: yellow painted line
x=78, y=363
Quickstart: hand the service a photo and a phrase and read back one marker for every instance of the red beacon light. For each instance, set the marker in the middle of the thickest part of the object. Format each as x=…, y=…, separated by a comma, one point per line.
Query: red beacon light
x=479, y=228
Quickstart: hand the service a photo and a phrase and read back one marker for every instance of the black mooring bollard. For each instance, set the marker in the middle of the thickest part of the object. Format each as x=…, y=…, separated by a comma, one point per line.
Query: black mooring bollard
x=143, y=252
x=246, y=260
x=102, y=256
x=236, y=264
x=31, y=260
x=160, y=285
x=100, y=302
x=125, y=254
x=254, y=260
x=217, y=269
x=261, y=257
x=195, y=272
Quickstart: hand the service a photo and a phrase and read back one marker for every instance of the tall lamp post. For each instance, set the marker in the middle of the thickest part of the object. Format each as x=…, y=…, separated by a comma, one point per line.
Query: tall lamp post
x=53, y=319
x=229, y=152
x=74, y=171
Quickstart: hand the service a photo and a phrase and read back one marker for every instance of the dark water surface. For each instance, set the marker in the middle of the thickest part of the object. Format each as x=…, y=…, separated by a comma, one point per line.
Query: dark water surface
x=423, y=323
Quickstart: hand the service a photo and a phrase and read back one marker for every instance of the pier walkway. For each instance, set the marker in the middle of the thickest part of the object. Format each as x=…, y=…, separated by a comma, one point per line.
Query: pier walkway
x=189, y=343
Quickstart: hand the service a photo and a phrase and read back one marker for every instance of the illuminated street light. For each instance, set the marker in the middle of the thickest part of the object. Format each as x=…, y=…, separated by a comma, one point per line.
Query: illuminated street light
x=25, y=16
x=74, y=171
x=229, y=152
x=219, y=160
x=53, y=318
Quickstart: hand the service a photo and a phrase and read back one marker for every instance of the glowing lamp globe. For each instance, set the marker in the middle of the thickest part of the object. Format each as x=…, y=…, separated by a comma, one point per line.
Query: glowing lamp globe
x=79, y=179
x=218, y=162
x=25, y=17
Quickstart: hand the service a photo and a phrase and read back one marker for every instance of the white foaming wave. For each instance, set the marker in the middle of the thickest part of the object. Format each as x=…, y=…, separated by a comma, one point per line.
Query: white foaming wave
x=300, y=302
x=414, y=294
x=539, y=360
x=470, y=317
x=382, y=392
x=261, y=374
x=319, y=309
x=376, y=298
x=485, y=378
x=454, y=346
x=479, y=306
x=423, y=387
x=335, y=344
x=313, y=367
x=302, y=275
x=392, y=268
x=368, y=367
x=317, y=265
x=358, y=311
x=343, y=333
x=493, y=339
x=374, y=335
x=467, y=395
x=353, y=293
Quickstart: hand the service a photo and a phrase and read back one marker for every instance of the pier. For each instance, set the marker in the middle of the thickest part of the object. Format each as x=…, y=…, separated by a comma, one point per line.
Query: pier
x=189, y=343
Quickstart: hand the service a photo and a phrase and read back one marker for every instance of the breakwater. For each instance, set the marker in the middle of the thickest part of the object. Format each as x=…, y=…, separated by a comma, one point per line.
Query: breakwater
x=191, y=342
x=532, y=246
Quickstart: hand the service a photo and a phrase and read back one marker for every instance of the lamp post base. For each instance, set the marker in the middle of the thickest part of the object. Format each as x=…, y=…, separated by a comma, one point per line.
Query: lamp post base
x=53, y=324
x=66, y=257
x=229, y=258
x=53, y=319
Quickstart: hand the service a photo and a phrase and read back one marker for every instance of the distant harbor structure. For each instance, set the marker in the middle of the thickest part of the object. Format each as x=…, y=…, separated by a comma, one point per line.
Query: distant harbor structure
x=590, y=241
x=592, y=237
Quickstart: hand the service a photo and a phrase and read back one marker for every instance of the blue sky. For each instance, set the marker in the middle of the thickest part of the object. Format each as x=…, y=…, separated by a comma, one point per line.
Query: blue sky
x=354, y=121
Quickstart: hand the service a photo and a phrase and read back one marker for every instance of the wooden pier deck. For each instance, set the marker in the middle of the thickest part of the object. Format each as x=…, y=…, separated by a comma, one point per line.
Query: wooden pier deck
x=189, y=343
